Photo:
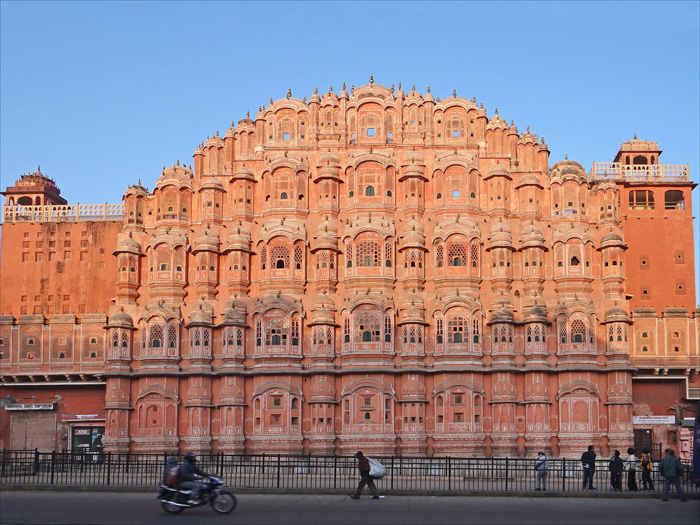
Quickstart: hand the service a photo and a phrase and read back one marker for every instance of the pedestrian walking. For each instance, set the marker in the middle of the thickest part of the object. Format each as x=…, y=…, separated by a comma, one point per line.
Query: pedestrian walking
x=616, y=467
x=631, y=468
x=672, y=470
x=646, y=465
x=365, y=478
x=588, y=464
x=542, y=469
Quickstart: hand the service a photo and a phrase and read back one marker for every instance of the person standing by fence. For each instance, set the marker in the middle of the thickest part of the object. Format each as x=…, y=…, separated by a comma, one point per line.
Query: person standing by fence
x=646, y=465
x=542, y=469
x=616, y=467
x=672, y=470
x=631, y=468
x=588, y=464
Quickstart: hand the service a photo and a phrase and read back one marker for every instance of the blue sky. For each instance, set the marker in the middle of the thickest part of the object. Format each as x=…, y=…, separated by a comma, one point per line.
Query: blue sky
x=102, y=94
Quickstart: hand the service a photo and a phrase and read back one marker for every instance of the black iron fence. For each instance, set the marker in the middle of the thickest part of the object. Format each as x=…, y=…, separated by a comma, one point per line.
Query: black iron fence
x=314, y=473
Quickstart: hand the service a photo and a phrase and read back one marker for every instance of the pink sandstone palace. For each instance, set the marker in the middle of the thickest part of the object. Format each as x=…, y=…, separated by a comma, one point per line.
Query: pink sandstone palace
x=373, y=269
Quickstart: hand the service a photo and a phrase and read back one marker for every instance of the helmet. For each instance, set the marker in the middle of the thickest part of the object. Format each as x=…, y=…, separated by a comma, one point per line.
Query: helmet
x=191, y=456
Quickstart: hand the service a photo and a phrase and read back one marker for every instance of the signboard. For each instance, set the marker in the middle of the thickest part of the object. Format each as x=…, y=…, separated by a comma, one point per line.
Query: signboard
x=30, y=406
x=654, y=420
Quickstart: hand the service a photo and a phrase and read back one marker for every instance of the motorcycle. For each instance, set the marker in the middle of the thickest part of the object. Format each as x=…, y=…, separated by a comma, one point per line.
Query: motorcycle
x=174, y=500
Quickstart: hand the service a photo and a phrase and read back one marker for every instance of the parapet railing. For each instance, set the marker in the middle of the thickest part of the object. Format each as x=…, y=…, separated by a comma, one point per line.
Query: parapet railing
x=63, y=213
x=321, y=474
x=640, y=172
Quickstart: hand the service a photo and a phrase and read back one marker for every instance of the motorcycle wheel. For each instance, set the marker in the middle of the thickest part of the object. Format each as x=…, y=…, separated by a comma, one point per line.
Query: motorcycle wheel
x=224, y=502
x=170, y=508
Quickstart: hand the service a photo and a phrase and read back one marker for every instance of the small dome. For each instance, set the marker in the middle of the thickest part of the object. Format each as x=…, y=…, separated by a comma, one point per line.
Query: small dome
x=322, y=316
x=239, y=239
x=497, y=169
x=180, y=176
x=502, y=310
x=500, y=236
x=616, y=314
x=496, y=122
x=121, y=319
x=212, y=183
x=128, y=245
x=243, y=172
x=315, y=98
x=535, y=313
x=232, y=394
x=503, y=391
x=429, y=96
x=322, y=391
x=532, y=236
x=208, y=241
x=568, y=169
x=528, y=138
x=234, y=315
x=323, y=301
x=413, y=390
x=413, y=234
x=611, y=239
x=200, y=315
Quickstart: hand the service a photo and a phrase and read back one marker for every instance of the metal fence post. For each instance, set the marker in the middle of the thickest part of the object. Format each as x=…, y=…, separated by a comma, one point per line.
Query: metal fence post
x=449, y=473
x=279, y=469
x=109, y=468
x=563, y=475
x=506, y=474
x=36, y=462
x=335, y=472
x=53, y=463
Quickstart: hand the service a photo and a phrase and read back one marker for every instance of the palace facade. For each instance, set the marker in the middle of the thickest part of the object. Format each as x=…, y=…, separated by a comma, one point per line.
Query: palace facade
x=374, y=269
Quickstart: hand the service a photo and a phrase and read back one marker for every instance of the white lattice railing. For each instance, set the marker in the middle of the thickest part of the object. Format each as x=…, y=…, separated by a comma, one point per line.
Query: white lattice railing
x=646, y=172
x=63, y=213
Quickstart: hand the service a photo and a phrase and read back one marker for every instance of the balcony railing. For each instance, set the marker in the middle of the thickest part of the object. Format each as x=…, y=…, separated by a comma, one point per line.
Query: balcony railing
x=640, y=173
x=63, y=213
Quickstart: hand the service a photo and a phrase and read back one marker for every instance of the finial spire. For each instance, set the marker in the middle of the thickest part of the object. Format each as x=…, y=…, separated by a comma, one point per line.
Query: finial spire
x=371, y=80
x=289, y=92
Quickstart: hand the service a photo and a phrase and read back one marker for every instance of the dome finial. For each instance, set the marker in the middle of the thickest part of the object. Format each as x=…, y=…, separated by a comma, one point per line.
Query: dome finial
x=454, y=93
x=635, y=136
x=497, y=111
x=371, y=80
x=289, y=92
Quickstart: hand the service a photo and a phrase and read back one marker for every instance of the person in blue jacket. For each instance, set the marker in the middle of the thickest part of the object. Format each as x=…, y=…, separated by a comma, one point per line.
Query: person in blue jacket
x=186, y=477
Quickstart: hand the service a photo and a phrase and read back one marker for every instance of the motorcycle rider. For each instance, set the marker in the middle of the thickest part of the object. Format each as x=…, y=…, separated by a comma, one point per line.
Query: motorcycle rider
x=186, y=477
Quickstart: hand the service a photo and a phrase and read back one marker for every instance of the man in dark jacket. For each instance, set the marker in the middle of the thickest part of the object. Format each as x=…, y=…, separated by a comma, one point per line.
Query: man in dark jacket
x=365, y=478
x=671, y=469
x=186, y=477
x=588, y=464
x=616, y=467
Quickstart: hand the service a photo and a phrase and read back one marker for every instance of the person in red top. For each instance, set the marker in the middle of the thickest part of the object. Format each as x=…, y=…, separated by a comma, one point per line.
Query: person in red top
x=365, y=478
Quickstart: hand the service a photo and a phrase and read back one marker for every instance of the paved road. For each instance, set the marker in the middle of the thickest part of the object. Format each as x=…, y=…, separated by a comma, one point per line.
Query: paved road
x=37, y=507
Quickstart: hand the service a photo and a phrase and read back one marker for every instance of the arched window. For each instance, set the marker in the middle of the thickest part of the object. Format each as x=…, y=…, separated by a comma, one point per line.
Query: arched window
x=457, y=330
x=578, y=331
x=368, y=254
x=280, y=257
x=369, y=191
x=456, y=255
x=276, y=332
x=367, y=328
